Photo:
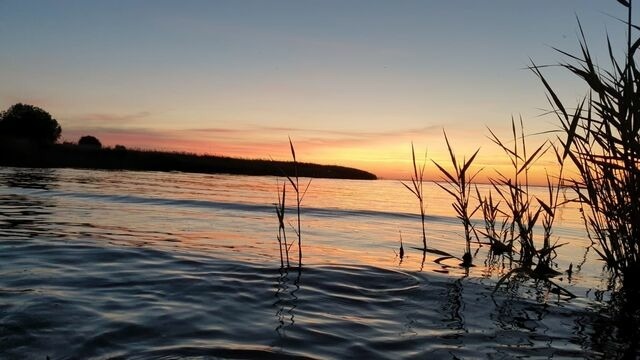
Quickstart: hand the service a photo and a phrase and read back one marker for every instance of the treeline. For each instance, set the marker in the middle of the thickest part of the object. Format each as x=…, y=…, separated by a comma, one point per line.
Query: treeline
x=29, y=135
x=28, y=154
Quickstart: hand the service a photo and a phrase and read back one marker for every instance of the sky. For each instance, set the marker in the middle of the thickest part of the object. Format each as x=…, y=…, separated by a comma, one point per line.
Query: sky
x=352, y=82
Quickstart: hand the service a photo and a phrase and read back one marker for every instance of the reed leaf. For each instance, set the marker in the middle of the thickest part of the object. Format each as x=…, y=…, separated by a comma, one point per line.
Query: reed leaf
x=539, y=151
x=293, y=150
x=450, y=177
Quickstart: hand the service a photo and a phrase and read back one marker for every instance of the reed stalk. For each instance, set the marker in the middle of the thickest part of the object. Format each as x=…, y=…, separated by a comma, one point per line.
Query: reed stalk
x=295, y=182
x=282, y=234
x=416, y=188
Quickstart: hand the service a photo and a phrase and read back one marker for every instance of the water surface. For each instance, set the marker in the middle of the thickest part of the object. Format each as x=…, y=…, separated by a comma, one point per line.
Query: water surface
x=136, y=265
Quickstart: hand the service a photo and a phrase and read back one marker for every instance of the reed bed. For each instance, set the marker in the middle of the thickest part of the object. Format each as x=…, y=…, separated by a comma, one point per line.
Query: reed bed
x=601, y=137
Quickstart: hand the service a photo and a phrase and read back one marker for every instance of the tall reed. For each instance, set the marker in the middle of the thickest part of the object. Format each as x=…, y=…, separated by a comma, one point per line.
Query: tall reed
x=416, y=188
x=295, y=182
x=601, y=137
x=459, y=186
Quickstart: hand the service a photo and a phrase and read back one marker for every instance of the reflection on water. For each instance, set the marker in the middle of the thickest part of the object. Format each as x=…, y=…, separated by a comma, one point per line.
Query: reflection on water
x=616, y=327
x=286, y=300
x=453, y=307
x=129, y=265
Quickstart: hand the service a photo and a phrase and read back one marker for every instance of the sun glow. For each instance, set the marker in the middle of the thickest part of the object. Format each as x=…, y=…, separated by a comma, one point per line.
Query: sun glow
x=389, y=157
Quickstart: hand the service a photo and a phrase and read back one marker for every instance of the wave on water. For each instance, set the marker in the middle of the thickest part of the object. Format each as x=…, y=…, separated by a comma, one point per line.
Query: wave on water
x=230, y=206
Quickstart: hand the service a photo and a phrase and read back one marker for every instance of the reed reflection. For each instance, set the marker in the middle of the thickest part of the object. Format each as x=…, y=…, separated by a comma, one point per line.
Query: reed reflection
x=454, y=306
x=512, y=311
x=497, y=264
x=286, y=299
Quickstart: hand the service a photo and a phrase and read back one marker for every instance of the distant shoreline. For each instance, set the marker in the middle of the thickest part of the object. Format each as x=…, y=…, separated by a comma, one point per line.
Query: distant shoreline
x=24, y=154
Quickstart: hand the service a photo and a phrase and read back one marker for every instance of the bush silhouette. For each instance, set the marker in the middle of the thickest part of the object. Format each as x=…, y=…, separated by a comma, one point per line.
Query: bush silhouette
x=22, y=121
x=90, y=141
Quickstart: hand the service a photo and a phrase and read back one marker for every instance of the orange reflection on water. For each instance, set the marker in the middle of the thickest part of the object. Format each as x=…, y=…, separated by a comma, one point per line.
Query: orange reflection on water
x=343, y=222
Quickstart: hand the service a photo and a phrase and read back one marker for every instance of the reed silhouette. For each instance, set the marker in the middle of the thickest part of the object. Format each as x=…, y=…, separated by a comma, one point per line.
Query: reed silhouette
x=416, y=188
x=601, y=137
x=496, y=228
x=458, y=185
x=282, y=233
x=286, y=300
x=522, y=208
x=294, y=180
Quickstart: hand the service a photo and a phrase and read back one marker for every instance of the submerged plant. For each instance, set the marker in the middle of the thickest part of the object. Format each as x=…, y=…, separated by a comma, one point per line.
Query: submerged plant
x=459, y=186
x=602, y=140
x=416, y=188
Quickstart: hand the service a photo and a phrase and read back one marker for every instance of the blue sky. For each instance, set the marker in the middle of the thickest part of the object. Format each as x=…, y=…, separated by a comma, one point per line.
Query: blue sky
x=353, y=82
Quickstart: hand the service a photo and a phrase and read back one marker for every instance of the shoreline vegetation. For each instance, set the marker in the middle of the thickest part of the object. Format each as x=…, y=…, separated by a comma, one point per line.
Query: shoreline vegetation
x=20, y=153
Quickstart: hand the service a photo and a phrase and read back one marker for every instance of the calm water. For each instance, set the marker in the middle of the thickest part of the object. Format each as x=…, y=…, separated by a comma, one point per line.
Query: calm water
x=137, y=265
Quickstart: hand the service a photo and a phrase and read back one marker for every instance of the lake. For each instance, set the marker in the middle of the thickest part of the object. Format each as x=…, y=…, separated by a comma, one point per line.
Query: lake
x=138, y=265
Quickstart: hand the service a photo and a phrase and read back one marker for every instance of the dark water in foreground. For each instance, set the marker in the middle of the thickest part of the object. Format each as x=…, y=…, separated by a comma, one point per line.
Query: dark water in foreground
x=162, y=266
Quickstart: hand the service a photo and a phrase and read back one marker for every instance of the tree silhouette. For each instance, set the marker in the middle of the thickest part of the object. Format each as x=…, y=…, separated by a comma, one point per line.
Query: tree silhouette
x=90, y=141
x=29, y=122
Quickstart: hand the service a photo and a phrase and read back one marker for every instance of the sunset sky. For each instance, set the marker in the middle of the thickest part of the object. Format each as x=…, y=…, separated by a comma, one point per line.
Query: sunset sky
x=351, y=82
